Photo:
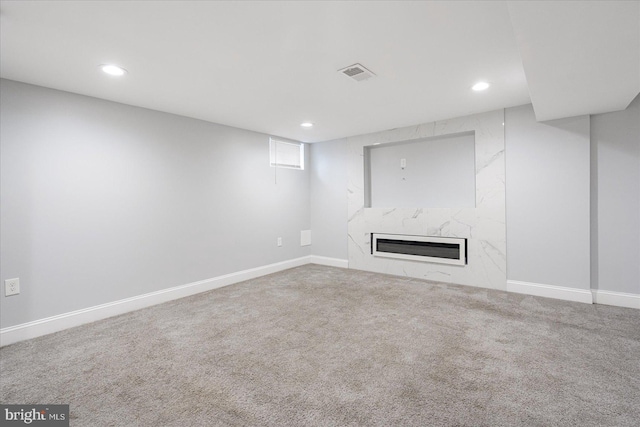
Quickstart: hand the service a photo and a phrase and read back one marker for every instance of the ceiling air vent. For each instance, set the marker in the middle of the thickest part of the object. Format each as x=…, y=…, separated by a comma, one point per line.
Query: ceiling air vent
x=357, y=72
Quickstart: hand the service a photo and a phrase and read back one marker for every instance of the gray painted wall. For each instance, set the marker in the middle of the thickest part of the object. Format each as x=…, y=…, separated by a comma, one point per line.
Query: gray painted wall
x=103, y=201
x=615, y=139
x=547, y=177
x=440, y=172
x=329, y=199
x=548, y=199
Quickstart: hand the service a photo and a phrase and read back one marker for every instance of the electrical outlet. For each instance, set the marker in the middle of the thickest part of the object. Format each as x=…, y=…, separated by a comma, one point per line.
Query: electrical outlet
x=279, y=241
x=11, y=287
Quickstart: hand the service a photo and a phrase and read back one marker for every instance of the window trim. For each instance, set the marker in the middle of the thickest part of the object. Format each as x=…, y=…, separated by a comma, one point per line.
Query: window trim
x=274, y=164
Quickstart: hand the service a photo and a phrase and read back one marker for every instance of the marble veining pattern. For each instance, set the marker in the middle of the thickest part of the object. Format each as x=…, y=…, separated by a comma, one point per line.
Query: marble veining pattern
x=483, y=226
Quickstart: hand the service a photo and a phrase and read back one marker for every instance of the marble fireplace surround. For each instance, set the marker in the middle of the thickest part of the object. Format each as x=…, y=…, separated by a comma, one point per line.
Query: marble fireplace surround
x=484, y=226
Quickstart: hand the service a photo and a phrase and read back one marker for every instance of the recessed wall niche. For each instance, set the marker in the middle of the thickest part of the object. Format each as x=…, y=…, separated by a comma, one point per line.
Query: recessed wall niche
x=432, y=172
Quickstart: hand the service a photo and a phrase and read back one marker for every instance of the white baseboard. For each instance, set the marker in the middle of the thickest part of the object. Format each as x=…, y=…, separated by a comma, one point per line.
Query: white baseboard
x=332, y=262
x=550, y=291
x=63, y=321
x=618, y=299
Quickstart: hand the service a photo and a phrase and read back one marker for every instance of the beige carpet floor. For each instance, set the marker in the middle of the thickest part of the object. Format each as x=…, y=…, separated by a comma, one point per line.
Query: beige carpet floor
x=321, y=346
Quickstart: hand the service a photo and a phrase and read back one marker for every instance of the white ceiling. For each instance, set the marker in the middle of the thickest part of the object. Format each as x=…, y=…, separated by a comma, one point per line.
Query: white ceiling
x=580, y=57
x=268, y=66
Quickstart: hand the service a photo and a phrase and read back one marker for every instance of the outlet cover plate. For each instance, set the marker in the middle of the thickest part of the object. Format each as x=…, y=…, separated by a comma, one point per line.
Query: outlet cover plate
x=305, y=237
x=11, y=287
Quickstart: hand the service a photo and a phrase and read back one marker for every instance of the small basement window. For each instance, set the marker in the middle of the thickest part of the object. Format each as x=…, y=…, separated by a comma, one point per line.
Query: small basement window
x=284, y=154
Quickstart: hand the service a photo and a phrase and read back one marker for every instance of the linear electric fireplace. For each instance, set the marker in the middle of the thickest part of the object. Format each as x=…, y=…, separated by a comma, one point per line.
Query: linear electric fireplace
x=444, y=250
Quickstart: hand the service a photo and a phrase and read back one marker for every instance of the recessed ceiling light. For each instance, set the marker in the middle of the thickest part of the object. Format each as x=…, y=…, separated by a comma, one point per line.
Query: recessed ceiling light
x=113, y=70
x=480, y=86
x=306, y=124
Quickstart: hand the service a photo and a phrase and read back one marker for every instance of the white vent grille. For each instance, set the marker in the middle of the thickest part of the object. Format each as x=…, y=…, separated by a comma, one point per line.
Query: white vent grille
x=357, y=72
